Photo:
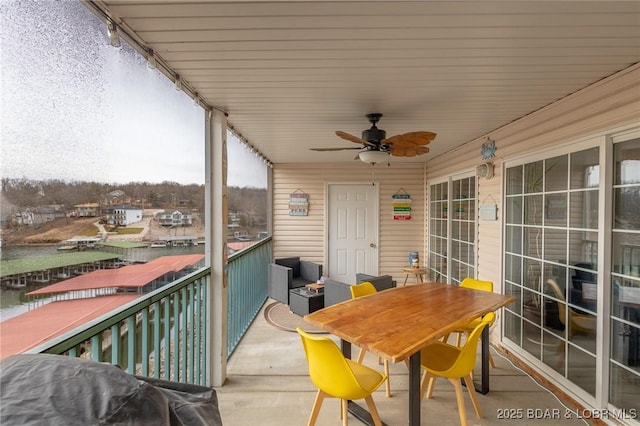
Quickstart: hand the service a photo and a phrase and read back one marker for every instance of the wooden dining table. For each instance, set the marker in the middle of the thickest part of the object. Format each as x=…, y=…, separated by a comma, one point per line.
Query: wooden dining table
x=396, y=324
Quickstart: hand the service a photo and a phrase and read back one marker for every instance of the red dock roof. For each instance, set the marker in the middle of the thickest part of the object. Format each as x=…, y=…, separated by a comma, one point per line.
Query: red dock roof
x=37, y=326
x=127, y=276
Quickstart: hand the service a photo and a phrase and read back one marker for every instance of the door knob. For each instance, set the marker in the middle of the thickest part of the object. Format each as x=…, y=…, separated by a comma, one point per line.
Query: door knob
x=372, y=245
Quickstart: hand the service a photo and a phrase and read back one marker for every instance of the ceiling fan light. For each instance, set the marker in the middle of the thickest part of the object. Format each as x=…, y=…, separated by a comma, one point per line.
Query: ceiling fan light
x=373, y=157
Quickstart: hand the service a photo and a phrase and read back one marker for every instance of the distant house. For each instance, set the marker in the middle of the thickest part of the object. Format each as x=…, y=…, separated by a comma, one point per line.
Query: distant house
x=38, y=215
x=87, y=210
x=175, y=218
x=122, y=215
x=117, y=198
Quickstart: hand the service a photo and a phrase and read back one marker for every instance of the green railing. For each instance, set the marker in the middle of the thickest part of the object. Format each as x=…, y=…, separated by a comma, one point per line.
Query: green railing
x=248, y=275
x=164, y=334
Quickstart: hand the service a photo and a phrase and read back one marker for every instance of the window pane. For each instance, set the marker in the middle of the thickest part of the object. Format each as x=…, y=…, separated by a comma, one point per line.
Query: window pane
x=626, y=207
x=555, y=210
x=583, y=209
x=555, y=244
x=533, y=206
x=556, y=173
x=623, y=391
x=513, y=269
x=626, y=253
x=513, y=239
x=514, y=180
x=627, y=160
x=582, y=369
x=533, y=177
x=514, y=210
x=585, y=169
x=533, y=242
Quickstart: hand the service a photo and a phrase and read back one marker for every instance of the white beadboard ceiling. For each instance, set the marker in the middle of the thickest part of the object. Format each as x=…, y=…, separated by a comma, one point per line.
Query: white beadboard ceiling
x=290, y=73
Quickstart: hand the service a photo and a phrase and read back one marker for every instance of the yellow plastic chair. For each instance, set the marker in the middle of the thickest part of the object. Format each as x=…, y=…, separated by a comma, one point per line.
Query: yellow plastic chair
x=364, y=289
x=469, y=327
x=454, y=363
x=338, y=377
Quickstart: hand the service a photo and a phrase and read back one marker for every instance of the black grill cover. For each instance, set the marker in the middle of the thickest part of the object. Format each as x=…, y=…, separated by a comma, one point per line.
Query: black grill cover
x=43, y=389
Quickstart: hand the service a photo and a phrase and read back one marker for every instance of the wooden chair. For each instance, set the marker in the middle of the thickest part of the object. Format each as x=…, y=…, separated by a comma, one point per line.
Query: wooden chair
x=338, y=377
x=441, y=359
x=364, y=289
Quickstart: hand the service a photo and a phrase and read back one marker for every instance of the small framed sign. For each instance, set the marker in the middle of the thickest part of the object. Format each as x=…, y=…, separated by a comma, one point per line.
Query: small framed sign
x=298, y=203
x=401, y=205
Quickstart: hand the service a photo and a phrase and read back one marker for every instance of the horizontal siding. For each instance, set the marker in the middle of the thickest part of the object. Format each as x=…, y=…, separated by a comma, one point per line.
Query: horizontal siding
x=306, y=236
x=600, y=108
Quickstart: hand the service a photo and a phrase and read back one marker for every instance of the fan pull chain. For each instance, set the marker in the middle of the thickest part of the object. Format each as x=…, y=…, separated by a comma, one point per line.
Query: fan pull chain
x=373, y=183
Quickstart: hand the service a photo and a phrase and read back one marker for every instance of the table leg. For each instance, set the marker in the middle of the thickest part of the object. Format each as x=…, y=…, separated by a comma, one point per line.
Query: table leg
x=357, y=411
x=414, y=389
x=484, y=357
x=483, y=387
x=406, y=277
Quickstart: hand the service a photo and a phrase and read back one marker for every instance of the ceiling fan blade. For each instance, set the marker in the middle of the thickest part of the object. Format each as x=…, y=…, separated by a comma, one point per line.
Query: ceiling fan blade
x=410, y=139
x=352, y=138
x=334, y=149
x=408, y=151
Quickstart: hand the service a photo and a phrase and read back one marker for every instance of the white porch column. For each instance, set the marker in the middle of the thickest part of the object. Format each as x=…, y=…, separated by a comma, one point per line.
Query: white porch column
x=215, y=248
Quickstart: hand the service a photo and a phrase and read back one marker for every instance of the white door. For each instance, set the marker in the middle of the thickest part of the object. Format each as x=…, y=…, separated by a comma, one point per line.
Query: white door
x=353, y=231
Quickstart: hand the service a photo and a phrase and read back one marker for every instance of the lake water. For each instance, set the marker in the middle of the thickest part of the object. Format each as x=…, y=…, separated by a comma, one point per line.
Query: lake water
x=14, y=302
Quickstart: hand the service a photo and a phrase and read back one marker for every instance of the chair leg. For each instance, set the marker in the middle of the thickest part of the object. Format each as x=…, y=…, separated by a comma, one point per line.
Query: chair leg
x=474, y=396
x=426, y=384
x=320, y=396
x=344, y=415
x=460, y=399
x=432, y=384
x=388, y=384
x=373, y=410
x=361, y=355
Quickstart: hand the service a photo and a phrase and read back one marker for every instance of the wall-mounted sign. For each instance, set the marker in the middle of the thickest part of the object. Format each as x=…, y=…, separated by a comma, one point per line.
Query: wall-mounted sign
x=298, y=203
x=488, y=212
x=401, y=205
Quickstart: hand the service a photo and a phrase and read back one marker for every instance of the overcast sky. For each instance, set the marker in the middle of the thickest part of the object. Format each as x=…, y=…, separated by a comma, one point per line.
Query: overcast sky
x=75, y=108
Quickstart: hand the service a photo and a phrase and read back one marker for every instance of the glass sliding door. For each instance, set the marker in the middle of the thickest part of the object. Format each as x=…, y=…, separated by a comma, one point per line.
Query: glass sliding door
x=624, y=363
x=551, y=222
x=452, y=229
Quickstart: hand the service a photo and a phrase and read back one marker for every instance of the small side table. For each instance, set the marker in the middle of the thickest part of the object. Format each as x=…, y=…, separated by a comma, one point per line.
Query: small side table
x=419, y=273
x=303, y=301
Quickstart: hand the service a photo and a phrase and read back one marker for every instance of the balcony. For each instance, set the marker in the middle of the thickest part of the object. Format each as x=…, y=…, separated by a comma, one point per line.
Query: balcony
x=267, y=380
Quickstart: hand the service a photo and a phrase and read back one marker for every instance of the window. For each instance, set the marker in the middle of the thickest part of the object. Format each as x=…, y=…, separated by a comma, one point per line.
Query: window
x=452, y=229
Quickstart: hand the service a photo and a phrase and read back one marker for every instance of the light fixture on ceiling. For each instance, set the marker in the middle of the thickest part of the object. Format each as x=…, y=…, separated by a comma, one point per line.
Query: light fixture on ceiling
x=114, y=37
x=178, y=83
x=373, y=157
x=151, y=60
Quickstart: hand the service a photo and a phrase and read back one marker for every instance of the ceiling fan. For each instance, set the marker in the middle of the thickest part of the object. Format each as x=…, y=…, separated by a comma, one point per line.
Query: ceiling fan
x=376, y=147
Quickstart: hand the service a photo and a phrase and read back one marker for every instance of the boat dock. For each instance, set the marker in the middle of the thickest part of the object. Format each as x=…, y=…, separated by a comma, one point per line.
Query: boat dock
x=81, y=299
x=18, y=273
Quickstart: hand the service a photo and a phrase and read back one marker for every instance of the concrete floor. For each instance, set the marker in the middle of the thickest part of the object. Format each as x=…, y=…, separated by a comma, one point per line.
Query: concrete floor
x=268, y=385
